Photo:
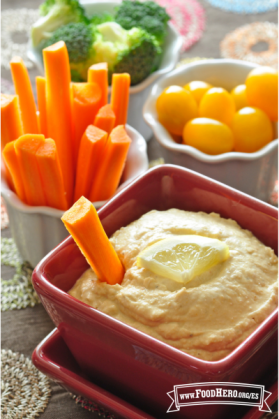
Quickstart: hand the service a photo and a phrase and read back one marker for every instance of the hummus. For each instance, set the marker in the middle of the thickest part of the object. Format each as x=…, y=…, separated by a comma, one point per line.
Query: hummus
x=207, y=317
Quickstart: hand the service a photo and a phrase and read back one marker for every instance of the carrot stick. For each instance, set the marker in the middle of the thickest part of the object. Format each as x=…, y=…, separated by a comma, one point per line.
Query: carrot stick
x=26, y=147
x=90, y=154
x=86, y=102
x=59, y=124
x=84, y=225
x=11, y=126
x=23, y=89
x=105, y=119
x=120, y=97
x=98, y=73
x=41, y=96
x=109, y=172
x=51, y=175
x=12, y=163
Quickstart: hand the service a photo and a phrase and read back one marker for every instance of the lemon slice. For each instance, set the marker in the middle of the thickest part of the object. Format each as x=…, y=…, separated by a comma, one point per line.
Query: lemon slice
x=181, y=258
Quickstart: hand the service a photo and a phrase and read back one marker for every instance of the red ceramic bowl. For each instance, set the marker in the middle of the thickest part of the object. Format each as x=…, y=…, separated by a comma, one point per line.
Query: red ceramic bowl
x=130, y=363
x=54, y=359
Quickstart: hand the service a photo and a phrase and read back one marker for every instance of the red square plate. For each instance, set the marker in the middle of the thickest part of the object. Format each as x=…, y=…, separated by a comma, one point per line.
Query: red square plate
x=54, y=359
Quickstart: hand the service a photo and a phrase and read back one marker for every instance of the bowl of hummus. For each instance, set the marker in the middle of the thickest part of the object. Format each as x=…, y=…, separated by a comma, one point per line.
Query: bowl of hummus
x=151, y=333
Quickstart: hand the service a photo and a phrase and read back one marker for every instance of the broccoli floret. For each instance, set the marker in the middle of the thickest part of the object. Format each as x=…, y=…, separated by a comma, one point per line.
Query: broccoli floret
x=76, y=76
x=99, y=18
x=56, y=13
x=46, y=6
x=111, y=39
x=79, y=39
x=134, y=51
x=142, y=57
x=147, y=15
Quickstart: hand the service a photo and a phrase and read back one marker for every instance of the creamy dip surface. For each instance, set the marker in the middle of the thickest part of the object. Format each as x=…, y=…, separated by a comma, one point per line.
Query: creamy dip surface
x=209, y=316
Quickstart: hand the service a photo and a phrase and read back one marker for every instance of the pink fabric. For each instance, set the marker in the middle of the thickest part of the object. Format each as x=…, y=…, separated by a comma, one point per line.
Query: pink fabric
x=188, y=17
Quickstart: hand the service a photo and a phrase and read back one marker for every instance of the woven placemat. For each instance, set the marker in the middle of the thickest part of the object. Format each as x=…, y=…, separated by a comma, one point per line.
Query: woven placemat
x=4, y=216
x=156, y=162
x=239, y=43
x=17, y=292
x=25, y=390
x=186, y=61
x=15, y=32
x=245, y=6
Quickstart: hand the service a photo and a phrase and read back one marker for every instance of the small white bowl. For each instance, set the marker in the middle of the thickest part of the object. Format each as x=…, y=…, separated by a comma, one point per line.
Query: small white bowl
x=252, y=173
x=37, y=230
x=139, y=92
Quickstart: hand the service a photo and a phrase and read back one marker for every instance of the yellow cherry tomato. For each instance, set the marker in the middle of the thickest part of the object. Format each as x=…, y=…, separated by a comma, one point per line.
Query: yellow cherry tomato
x=252, y=129
x=218, y=104
x=175, y=106
x=239, y=96
x=208, y=135
x=198, y=89
x=262, y=90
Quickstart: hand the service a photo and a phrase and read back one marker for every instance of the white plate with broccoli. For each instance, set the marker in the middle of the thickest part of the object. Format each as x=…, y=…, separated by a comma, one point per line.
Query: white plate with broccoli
x=131, y=36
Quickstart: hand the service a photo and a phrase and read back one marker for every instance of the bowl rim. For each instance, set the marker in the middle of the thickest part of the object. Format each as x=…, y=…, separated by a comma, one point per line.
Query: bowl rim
x=164, y=138
x=223, y=365
x=16, y=203
x=175, y=50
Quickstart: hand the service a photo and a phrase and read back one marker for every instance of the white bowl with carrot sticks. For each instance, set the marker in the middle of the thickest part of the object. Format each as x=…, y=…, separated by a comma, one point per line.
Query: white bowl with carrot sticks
x=76, y=144
x=38, y=229
x=138, y=92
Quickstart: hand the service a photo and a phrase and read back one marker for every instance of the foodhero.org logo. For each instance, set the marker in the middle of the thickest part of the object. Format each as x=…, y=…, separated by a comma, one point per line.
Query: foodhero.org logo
x=219, y=393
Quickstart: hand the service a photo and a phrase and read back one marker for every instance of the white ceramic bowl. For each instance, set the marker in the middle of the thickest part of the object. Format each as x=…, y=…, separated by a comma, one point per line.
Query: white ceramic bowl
x=139, y=92
x=252, y=173
x=37, y=230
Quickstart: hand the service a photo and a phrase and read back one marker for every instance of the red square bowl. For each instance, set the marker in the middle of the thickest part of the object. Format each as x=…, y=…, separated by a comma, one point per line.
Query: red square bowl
x=127, y=362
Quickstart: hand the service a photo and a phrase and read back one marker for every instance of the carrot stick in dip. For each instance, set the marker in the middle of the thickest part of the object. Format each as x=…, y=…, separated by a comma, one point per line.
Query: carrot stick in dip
x=51, y=175
x=90, y=156
x=98, y=73
x=105, y=118
x=41, y=96
x=23, y=89
x=86, y=102
x=109, y=172
x=120, y=97
x=12, y=163
x=26, y=147
x=84, y=225
x=59, y=125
